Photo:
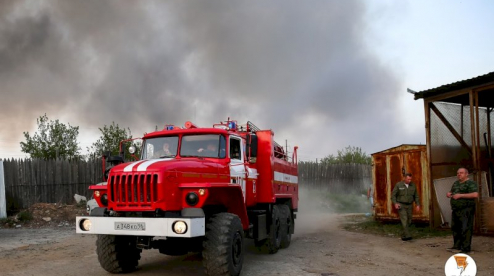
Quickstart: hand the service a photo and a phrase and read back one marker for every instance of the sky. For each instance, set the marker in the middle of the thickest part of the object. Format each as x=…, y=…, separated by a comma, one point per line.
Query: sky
x=321, y=74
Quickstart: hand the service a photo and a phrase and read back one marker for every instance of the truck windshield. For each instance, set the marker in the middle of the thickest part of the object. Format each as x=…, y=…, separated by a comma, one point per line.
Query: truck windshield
x=160, y=147
x=205, y=145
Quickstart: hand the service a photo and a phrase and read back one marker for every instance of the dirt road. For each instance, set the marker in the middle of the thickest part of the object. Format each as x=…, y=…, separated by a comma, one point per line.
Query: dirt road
x=320, y=247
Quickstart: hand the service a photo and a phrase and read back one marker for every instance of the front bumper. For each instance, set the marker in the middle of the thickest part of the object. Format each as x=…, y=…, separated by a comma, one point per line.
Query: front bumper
x=132, y=226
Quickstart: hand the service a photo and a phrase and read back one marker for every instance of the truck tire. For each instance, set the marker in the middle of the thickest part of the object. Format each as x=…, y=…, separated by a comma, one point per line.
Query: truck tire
x=223, y=246
x=117, y=254
x=286, y=224
x=273, y=242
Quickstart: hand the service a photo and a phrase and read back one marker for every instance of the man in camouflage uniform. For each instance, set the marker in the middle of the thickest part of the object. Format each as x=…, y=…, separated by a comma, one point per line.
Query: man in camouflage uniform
x=463, y=194
x=403, y=195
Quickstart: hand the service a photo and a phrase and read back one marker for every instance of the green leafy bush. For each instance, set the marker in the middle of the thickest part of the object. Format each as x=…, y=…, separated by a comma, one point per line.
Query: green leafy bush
x=24, y=216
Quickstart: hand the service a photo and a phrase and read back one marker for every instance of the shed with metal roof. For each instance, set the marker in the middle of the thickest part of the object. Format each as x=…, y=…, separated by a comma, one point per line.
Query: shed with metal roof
x=459, y=132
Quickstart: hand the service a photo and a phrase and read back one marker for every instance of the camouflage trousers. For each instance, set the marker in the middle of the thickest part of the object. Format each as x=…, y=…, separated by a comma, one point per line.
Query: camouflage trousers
x=462, y=227
x=405, y=213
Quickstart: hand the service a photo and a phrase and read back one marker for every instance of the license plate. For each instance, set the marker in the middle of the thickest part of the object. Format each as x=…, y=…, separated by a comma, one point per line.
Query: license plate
x=133, y=226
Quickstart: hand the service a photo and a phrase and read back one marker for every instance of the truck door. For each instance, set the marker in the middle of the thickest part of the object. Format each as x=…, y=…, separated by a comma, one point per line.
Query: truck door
x=237, y=164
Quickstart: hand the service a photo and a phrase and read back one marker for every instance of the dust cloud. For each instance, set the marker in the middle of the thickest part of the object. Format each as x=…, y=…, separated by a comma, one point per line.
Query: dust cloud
x=311, y=201
x=313, y=215
x=317, y=213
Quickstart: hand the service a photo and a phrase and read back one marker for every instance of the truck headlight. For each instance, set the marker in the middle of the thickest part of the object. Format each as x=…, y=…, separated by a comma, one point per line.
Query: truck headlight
x=85, y=224
x=179, y=227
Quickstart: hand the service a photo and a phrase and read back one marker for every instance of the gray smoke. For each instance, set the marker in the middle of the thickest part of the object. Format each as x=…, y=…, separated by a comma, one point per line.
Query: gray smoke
x=144, y=64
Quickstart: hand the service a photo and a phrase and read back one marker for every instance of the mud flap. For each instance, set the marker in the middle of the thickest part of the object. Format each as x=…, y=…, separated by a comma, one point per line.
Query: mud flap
x=260, y=230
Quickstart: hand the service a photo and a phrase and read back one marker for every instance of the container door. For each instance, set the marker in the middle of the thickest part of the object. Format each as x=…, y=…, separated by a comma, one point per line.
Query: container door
x=413, y=164
x=380, y=180
x=395, y=175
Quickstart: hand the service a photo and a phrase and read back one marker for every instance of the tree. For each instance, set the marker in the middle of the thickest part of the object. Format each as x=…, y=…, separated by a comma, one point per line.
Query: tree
x=110, y=140
x=348, y=155
x=53, y=140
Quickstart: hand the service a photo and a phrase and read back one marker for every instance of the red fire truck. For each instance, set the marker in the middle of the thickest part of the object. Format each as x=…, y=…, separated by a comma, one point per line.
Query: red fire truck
x=196, y=190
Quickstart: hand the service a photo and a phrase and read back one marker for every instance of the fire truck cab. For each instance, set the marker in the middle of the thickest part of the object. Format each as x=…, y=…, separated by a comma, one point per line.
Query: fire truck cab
x=196, y=190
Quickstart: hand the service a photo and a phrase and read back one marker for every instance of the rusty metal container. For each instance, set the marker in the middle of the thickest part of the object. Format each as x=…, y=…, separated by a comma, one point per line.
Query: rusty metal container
x=388, y=168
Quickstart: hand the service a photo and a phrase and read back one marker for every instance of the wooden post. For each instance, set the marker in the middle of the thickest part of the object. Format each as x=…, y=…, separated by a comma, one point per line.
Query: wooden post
x=474, y=129
x=478, y=224
x=432, y=221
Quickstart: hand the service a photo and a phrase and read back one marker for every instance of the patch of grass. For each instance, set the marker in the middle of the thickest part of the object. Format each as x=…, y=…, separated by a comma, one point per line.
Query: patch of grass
x=24, y=216
x=367, y=224
x=8, y=222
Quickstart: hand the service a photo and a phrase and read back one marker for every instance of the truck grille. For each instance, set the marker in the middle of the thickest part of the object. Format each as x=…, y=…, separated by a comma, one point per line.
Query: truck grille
x=133, y=190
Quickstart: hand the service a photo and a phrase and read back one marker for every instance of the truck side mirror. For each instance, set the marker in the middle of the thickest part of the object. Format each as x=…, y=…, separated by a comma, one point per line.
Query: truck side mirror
x=115, y=160
x=106, y=154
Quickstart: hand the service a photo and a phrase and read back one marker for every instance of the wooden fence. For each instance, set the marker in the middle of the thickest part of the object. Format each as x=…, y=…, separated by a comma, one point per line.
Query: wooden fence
x=31, y=181
x=335, y=178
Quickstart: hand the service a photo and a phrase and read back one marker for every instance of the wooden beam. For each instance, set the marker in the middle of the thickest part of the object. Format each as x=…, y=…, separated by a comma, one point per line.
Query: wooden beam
x=461, y=121
x=455, y=93
x=489, y=150
x=450, y=128
x=441, y=97
x=432, y=209
x=484, y=87
x=477, y=133
x=474, y=109
x=472, y=128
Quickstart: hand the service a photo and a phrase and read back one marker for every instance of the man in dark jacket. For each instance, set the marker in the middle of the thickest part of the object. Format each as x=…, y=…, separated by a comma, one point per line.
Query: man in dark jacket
x=404, y=194
x=463, y=194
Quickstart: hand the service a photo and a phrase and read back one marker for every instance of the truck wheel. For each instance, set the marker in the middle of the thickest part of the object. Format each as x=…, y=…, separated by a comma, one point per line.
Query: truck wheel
x=286, y=224
x=223, y=247
x=117, y=254
x=273, y=242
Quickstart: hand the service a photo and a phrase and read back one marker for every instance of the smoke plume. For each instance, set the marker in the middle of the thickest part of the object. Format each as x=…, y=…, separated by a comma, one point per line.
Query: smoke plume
x=302, y=69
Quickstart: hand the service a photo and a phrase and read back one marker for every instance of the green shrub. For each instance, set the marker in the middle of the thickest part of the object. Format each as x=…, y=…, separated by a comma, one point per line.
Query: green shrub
x=9, y=222
x=24, y=216
x=81, y=204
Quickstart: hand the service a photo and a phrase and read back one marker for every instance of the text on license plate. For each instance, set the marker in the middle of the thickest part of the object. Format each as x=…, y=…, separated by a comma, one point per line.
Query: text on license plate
x=135, y=226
